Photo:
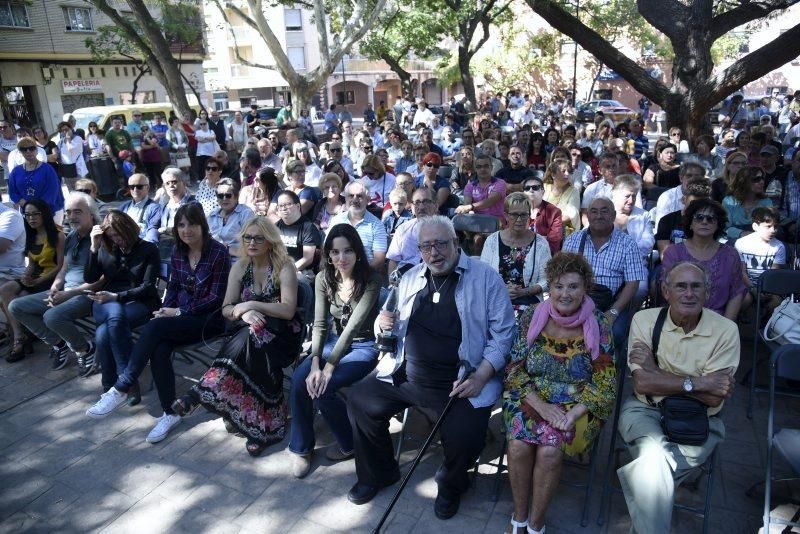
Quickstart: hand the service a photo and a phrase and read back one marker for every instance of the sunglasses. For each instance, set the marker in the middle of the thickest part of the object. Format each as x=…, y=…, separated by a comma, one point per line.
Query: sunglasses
x=224, y=196
x=85, y=191
x=28, y=149
x=533, y=188
x=335, y=150
x=432, y=165
x=137, y=186
x=703, y=217
x=212, y=169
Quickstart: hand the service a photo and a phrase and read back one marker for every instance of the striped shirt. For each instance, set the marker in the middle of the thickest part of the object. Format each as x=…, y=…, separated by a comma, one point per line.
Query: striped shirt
x=370, y=229
x=610, y=264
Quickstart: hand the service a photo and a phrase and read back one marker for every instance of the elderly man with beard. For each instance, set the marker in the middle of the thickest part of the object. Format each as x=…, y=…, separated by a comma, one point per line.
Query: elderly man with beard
x=451, y=308
x=51, y=315
x=368, y=226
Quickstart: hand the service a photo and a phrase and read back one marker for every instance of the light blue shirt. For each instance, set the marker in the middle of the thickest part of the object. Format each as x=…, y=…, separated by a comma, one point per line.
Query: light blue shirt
x=370, y=229
x=135, y=131
x=227, y=232
x=487, y=322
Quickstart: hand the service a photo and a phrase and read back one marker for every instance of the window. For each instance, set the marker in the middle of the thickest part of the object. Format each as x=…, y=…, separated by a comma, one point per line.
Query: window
x=102, y=72
x=116, y=71
x=602, y=94
x=78, y=73
x=345, y=97
x=142, y=97
x=91, y=72
x=78, y=19
x=125, y=71
x=14, y=15
x=64, y=72
x=293, y=19
x=297, y=56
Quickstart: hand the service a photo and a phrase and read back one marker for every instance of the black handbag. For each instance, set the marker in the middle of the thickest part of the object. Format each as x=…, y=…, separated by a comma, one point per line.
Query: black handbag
x=684, y=419
x=601, y=295
x=68, y=170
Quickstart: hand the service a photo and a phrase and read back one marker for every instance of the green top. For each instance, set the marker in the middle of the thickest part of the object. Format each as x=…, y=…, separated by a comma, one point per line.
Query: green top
x=359, y=325
x=118, y=140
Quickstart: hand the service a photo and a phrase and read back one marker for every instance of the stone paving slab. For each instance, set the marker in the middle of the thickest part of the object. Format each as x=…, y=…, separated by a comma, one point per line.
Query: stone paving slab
x=63, y=472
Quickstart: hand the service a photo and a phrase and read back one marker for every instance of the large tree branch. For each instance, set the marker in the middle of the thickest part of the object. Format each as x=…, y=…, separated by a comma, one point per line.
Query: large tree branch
x=322, y=33
x=667, y=16
x=746, y=11
x=600, y=48
x=754, y=65
x=236, y=50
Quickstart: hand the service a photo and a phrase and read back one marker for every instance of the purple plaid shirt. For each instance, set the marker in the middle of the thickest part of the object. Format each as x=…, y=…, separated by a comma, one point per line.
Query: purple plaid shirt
x=202, y=291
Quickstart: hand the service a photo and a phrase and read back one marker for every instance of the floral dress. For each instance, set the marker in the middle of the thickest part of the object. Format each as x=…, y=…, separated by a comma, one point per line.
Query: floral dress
x=561, y=372
x=245, y=382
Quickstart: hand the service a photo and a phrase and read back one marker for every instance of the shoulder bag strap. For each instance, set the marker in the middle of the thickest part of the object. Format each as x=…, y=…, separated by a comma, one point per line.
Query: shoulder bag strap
x=533, y=267
x=659, y=326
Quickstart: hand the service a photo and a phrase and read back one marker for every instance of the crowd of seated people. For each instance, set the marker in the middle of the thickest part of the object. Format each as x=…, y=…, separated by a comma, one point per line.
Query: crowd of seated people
x=594, y=226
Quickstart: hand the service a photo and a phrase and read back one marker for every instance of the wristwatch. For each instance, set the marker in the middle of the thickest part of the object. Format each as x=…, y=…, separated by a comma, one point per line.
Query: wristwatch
x=688, y=385
x=613, y=311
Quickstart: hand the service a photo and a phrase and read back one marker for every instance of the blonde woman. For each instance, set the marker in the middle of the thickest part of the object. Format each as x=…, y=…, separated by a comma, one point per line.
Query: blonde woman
x=244, y=384
x=558, y=190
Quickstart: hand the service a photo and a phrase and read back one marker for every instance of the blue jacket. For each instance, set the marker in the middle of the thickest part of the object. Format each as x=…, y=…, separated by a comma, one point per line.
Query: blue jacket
x=149, y=220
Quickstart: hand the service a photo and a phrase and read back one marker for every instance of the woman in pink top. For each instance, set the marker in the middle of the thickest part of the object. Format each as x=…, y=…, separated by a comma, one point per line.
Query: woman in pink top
x=485, y=194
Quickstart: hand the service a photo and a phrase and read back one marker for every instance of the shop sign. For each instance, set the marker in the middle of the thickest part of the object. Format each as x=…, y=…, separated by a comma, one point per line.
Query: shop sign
x=81, y=86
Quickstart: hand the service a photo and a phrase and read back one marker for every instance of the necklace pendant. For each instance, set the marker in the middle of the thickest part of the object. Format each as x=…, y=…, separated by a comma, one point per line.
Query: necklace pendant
x=436, y=297
x=31, y=192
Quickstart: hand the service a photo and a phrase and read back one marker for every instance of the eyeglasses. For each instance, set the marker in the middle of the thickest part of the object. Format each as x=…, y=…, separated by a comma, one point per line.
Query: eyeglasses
x=212, y=169
x=420, y=203
x=32, y=214
x=257, y=239
x=335, y=150
x=28, y=149
x=432, y=165
x=533, y=188
x=337, y=138
x=286, y=206
x=517, y=216
x=203, y=123
x=705, y=217
x=440, y=246
x=224, y=196
x=137, y=186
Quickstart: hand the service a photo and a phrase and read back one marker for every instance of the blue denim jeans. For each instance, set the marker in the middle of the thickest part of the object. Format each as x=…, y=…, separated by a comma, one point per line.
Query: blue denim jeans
x=113, y=336
x=348, y=371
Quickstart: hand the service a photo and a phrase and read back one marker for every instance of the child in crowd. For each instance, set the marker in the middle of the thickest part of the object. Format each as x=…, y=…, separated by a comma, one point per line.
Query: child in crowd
x=399, y=213
x=760, y=251
x=127, y=163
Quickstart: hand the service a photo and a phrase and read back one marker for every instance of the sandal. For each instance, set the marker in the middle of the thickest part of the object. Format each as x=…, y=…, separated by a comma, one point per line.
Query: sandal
x=22, y=346
x=254, y=448
x=518, y=524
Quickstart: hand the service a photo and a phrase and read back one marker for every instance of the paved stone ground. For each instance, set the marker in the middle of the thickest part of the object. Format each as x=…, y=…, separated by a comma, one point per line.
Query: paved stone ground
x=60, y=471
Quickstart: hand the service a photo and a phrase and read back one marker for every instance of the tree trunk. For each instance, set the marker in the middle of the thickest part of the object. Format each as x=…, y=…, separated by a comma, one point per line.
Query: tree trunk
x=464, y=59
x=135, y=88
x=403, y=74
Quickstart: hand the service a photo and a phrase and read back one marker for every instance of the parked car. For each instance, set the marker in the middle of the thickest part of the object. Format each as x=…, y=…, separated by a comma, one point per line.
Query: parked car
x=612, y=109
x=713, y=114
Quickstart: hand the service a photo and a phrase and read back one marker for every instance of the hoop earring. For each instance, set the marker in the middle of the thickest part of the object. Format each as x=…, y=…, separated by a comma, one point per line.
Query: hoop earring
x=329, y=261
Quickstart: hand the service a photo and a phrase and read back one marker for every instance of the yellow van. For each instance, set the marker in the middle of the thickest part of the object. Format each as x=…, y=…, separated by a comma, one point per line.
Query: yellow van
x=102, y=115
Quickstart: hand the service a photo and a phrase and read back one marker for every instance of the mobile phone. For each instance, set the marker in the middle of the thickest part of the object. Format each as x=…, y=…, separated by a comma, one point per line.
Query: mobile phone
x=88, y=292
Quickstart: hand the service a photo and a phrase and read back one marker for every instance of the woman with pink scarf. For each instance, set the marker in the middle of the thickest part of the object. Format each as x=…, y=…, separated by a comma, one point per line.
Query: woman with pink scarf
x=559, y=388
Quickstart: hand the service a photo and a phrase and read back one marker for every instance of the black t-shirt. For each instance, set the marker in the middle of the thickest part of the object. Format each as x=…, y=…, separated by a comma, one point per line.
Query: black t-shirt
x=514, y=176
x=670, y=228
x=664, y=178
x=296, y=236
x=431, y=349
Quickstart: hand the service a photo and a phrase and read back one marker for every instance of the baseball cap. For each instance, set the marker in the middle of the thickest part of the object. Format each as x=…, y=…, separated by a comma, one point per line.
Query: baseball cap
x=769, y=149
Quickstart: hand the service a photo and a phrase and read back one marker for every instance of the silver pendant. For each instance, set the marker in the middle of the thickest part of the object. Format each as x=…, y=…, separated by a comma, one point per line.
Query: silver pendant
x=31, y=192
x=436, y=298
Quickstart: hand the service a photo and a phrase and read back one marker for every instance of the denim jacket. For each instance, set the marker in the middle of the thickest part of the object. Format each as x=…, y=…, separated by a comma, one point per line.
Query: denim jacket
x=487, y=321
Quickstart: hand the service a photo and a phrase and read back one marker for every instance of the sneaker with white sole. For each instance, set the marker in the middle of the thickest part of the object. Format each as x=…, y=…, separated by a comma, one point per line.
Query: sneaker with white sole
x=109, y=401
x=87, y=363
x=165, y=423
x=60, y=355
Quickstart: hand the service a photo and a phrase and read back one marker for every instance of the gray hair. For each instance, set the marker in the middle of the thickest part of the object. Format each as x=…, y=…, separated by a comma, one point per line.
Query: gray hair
x=687, y=263
x=437, y=220
x=627, y=181
x=86, y=200
x=176, y=172
x=350, y=185
x=685, y=166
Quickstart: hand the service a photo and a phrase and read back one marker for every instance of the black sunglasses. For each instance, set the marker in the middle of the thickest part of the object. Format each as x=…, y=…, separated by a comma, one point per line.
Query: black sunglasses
x=432, y=165
x=87, y=191
x=137, y=186
x=222, y=196
x=28, y=149
x=533, y=188
x=704, y=217
x=212, y=169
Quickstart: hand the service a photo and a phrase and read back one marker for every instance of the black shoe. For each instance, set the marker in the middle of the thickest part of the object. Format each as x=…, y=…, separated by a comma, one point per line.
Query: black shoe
x=363, y=493
x=134, y=394
x=446, y=506
x=87, y=363
x=60, y=355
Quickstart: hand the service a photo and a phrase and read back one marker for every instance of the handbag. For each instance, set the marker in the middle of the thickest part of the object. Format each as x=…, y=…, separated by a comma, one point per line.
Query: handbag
x=684, y=419
x=183, y=162
x=68, y=170
x=528, y=300
x=783, y=326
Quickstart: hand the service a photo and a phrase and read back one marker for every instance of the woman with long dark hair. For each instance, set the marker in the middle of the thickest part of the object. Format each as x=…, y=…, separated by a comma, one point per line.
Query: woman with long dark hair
x=190, y=313
x=244, y=384
x=536, y=154
x=346, y=293
x=261, y=196
x=44, y=247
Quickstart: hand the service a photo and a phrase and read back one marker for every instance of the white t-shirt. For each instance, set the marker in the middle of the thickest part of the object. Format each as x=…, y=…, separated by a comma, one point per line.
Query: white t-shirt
x=758, y=256
x=12, y=261
x=379, y=189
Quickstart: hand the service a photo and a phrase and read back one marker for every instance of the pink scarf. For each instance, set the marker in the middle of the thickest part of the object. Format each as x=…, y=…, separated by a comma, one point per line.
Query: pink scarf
x=584, y=317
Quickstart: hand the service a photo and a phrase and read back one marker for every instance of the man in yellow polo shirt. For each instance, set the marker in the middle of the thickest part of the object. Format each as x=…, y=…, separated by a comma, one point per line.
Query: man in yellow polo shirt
x=698, y=353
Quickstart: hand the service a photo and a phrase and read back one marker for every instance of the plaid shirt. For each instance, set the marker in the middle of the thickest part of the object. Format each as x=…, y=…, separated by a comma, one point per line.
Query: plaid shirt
x=612, y=264
x=200, y=291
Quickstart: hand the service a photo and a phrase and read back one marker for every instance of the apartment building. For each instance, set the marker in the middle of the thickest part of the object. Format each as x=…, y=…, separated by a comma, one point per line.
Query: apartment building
x=46, y=69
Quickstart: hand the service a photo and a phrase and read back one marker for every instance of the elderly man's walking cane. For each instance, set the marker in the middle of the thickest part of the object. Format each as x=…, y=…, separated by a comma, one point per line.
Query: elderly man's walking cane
x=465, y=370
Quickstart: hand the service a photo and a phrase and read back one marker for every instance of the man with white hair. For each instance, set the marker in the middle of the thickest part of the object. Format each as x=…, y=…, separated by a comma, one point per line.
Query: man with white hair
x=368, y=226
x=268, y=157
x=51, y=315
x=451, y=309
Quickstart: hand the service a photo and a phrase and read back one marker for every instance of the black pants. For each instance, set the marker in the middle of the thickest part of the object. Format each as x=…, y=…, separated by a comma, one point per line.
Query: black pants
x=372, y=403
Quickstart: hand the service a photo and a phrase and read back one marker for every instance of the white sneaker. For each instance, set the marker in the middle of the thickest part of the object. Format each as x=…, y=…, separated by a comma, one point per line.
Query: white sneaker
x=166, y=423
x=109, y=401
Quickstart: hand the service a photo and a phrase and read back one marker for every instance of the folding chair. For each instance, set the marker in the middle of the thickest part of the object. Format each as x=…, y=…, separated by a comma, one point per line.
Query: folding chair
x=472, y=224
x=784, y=363
x=782, y=282
x=651, y=197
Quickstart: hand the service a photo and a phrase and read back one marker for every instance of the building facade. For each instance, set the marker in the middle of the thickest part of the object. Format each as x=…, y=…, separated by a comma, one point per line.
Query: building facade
x=47, y=71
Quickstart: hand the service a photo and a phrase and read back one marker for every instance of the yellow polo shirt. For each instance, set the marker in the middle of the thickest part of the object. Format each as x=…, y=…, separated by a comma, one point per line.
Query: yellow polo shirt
x=712, y=346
